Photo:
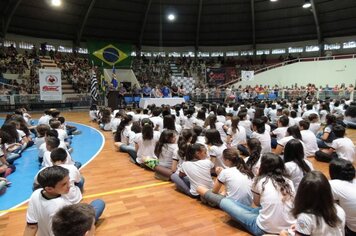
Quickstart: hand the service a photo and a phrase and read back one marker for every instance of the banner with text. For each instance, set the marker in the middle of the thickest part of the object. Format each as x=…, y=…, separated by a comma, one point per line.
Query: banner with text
x=215, y=76
x=50, y=84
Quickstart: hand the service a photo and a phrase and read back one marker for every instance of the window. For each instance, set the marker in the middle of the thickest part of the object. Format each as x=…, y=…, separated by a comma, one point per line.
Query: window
x=63, y=49
x=334, y=46
x=312, y=48
x=260, y=52
x=217, y=54
x=203, y=54
x=188, y=54
x=83, y=50
x=295, y=49
x=24, y=45
x=245, y=53
x=278, y=51
x=351, y=44
x=232, y=54
x=156, y=54
x=7, y=43
x=50, y=47
x=174, y=54
x=146, y=54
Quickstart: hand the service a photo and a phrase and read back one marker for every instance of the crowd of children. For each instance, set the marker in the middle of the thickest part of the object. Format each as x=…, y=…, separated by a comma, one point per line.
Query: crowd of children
x=58, y=182
x=258, y=151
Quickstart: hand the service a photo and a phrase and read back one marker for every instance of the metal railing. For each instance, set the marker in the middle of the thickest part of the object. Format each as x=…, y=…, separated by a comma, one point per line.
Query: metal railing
x=34, y=102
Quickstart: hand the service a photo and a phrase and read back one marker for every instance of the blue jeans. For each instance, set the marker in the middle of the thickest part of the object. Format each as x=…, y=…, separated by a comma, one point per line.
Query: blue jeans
x=130, y=150
x=321, y=143
x=11, y=157
x=244, y=215
x=80, y=185
x=182, y=184
x=99, y=206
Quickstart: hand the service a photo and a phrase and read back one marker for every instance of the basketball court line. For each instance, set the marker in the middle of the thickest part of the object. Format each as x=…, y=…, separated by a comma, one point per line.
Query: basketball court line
x=97, y=195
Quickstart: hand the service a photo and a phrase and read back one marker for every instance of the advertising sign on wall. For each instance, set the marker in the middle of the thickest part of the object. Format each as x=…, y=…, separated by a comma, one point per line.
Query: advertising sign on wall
x=50, y=84
x=215, y=76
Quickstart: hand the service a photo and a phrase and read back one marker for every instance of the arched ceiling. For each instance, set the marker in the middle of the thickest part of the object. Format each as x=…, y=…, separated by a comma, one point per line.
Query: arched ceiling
x=198, y=22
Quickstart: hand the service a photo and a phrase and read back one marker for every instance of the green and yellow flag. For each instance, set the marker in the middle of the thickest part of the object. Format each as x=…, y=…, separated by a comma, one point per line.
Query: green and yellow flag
x=108, y=55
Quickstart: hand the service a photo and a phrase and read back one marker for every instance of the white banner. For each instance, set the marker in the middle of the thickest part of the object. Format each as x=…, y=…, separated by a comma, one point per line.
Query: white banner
x=247, y=75
x=50, y=84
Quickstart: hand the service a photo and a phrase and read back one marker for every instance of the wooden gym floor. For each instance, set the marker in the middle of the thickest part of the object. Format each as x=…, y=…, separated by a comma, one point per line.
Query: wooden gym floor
x=137, y=203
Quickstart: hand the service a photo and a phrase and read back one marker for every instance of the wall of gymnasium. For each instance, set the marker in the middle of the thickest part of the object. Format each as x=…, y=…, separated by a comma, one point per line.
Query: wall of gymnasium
x=320, y=73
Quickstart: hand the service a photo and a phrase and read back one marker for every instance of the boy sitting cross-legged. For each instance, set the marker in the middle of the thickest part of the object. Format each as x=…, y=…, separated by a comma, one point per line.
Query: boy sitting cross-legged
x=46, y=201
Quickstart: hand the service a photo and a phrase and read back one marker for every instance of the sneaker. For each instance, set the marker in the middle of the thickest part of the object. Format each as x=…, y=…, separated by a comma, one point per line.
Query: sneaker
x=76, y=132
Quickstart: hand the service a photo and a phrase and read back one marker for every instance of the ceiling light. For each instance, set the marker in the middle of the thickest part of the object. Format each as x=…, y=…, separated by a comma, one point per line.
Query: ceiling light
x=56, y=3
x=273, y=0
x=171, y=17
x=307, y=4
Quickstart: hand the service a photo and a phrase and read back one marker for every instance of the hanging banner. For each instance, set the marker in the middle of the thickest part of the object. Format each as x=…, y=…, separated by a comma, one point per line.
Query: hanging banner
x=247, y=75
x=50, y=84
x=215, y=76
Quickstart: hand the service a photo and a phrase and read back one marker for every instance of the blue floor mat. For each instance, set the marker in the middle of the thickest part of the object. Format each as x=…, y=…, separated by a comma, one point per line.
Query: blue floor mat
x=86, y=146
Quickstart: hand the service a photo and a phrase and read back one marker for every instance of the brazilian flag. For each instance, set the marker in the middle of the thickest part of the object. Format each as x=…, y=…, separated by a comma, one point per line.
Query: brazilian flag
x=108, y=55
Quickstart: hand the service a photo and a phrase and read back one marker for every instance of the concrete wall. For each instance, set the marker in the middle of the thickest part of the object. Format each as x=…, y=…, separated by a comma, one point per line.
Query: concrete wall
x=329, y=72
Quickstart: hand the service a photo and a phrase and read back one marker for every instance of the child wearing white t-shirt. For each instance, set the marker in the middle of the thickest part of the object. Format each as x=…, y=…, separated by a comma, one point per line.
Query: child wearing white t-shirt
x=215, y=147
x=166, y=148
x=195, y=171
x=262, y=135
x=145, y=142
x=253, y=161
x=296, y=165
x=237, y=179
x=309, y=139
x=316, y=215
x=58, y=158
x=341, y=147
x=343, y=187
x=47, y=200
x=280, y=132
x=273, y=193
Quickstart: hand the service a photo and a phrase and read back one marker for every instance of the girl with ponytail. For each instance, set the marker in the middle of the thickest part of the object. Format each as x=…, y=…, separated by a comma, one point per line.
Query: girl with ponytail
x=145, y=142
x=237, y=179
x=273, y=194
x=253, y=161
